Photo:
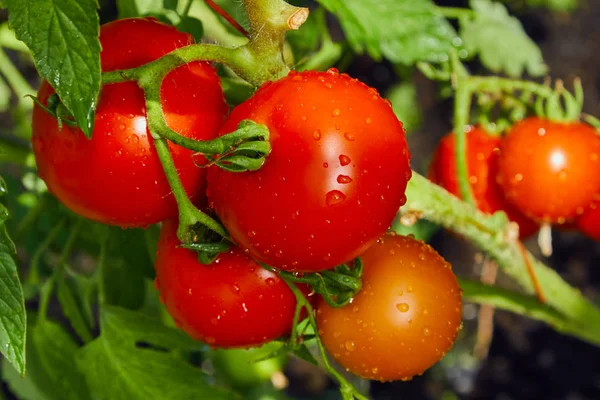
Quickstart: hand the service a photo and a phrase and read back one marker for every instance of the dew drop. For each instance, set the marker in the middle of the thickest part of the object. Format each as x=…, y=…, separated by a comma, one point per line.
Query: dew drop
x=426, y=331
x=344, y=160
x=336, y=112
x=410, y=289
x=251, y=233
x=349, y=136
x=349, y=345
x=325, y=165
x=368, y=120
x=337, y=334
x=344, y=179
x=333, y=71
x=402, y=307
x=335, y=197
x=317, y=134
x=270, y=281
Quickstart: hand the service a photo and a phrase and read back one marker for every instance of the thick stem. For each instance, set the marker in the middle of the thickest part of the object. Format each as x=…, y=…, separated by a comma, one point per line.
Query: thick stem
x=462, y=105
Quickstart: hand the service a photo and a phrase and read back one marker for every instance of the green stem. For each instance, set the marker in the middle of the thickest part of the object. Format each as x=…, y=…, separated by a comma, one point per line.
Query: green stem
x=187, y=8
x=32, y=215
x=490, y=233
x=462, y=105
x=33, y=276
x=347, y=390
x=189, y=215
x=16, y=81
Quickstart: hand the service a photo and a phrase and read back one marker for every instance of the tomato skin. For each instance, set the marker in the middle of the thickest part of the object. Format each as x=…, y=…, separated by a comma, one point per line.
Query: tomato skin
x=333, y=182
x=589, y=222
x=233, y=302
x=116, y=177
x=404, y=319
x=482, y=161
x=549, y=170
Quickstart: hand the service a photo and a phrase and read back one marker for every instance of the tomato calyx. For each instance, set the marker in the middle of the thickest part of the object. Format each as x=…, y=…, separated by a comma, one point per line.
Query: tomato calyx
x=56, y=109
x=242, y=150
x=337, y=286
x=207, y=243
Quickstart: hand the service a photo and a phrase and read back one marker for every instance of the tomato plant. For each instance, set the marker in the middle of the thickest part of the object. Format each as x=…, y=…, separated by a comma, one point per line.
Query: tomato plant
x=116, y=176
x=211, y=302
x=546, y=168
x=482, y=151
x=404, y=319
x=246, y=212
x=334, y=179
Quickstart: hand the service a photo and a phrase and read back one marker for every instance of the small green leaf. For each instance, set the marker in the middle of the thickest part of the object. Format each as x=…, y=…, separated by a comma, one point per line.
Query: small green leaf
x=134, y=353
x=403, y=31
x=500, y=40
x=170, y=4
x=12, y=307
x=23, y=387
x=193, y=26
x=137, y=8
x=63, y=38
x=72, y=297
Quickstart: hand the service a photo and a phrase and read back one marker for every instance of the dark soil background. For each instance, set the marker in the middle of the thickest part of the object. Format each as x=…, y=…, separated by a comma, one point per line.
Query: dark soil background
x=527, y=360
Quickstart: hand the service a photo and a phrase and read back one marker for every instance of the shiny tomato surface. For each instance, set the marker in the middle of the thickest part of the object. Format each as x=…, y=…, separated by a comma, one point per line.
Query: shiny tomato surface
x=549, y=170
x=233, y=302
x=404, y=319
x=116, y=177
x=333, y=182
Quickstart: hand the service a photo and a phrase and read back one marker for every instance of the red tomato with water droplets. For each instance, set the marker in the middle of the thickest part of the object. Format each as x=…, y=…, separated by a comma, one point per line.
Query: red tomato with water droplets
x=333, y=182
x=589, y=222
x=233, y=302
x=405, y=318
x=549, y=170
x=116, y=177
x=482, y=162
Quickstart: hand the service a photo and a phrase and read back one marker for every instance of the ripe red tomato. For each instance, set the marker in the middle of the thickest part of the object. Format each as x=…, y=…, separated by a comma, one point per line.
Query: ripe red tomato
x=589, y=222
x=116, y=177
x=233, y=302
x=333, y=182
x=549, y=169
x=482, y=151
x=404, y=319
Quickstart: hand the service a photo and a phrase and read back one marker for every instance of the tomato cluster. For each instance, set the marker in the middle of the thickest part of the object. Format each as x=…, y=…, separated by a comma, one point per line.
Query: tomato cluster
x=541, y=172
x=326, y=194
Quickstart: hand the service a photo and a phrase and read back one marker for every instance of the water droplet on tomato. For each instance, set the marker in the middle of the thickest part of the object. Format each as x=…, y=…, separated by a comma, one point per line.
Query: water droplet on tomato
x=343, y=179
x=344, y=160
x=317, y=134
x=426, y=331
x=402, y=307
x=325, y=165
x=135, y=138
x=368, y=120
x=335, y=197
x=270, y=281
x=251, y=234
x=349, y=345
x=409, y=289
x=336, y=112
x=333, y=71
x=349, y=136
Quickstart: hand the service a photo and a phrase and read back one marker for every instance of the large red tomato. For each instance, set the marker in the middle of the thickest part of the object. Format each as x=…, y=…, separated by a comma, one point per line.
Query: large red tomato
x=404, y=319
x=116, y=177
x=233, y=302
x=482, y=162
x=549, y=170
x=333, y=182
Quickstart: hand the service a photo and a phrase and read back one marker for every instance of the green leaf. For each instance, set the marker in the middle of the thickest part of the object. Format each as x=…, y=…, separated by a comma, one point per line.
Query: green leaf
x=193, y=26
x=72, y=295
x=500, y=40
x=12, y=306
x=51, y=363
x=403, y=31
x=405, y=105
x=142, y=371
x=136, y=8
x=63, y=38
x=23, y=387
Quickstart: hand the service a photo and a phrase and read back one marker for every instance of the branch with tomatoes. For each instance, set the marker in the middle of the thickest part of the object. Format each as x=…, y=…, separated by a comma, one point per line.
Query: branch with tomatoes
x=275, y=216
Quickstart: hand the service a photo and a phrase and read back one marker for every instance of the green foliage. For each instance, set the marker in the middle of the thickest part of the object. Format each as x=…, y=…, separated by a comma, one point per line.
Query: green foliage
x=142, y=359
x=403, y=31
x=500, y=40
x=63, y=38
x=12, y=307
x=404, y=103
x=135, y=8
